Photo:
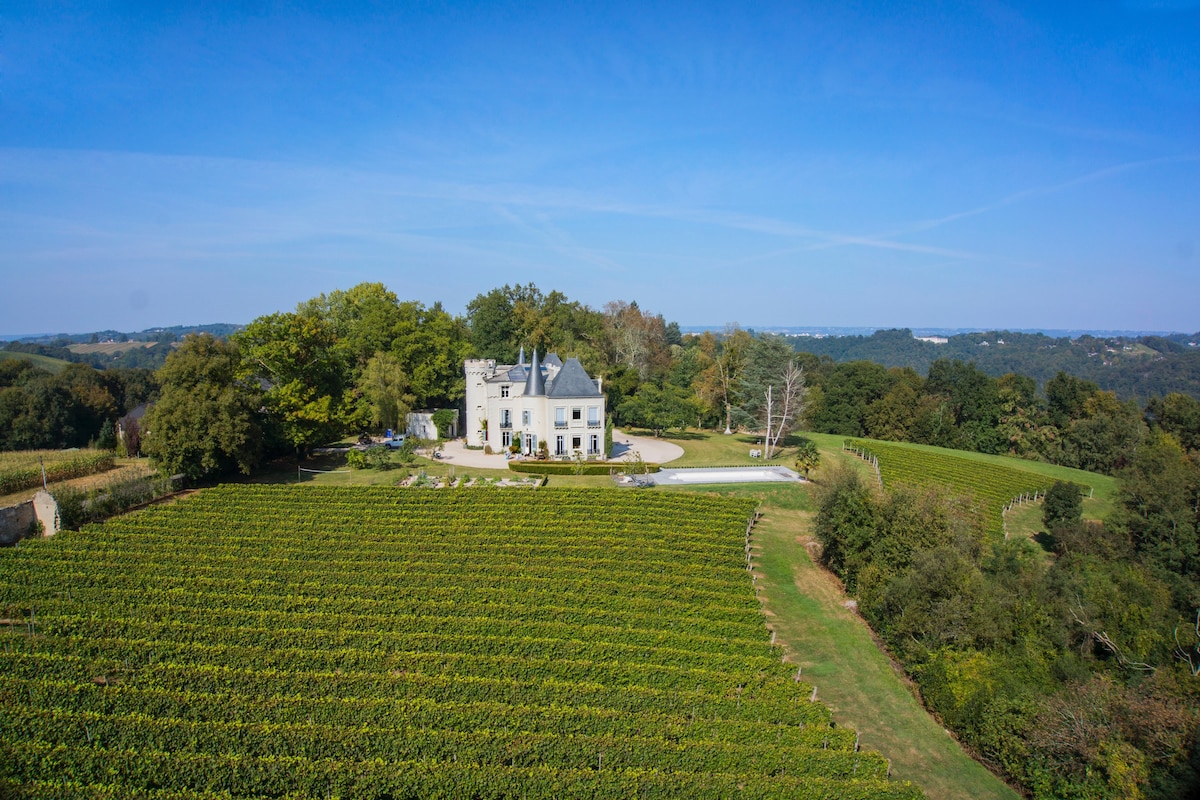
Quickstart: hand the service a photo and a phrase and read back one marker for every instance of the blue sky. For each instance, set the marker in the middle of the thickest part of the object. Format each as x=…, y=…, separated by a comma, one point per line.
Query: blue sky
x=959, y=165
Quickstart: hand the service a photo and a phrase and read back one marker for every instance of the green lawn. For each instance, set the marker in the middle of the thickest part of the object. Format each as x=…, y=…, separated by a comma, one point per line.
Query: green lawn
x=706, y=449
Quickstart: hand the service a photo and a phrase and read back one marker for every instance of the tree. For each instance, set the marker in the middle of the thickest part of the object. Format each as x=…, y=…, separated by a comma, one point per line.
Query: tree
x=636, y=339
x=891, y=417
x=1105, y=437
x=1063, y=506
x=1024, y=422
x=847, y=392
x=362, y=320
x=720, y=383
x=431, y=346
x=383, y=387
x=107, y=438
x=1065, y=396
x=443, y=420
x=1159, y=495
x=845, y=525
x=1178, y=415
x=295, y=356
x=506, y=319
x=783, y=410
x=973, y=401
x=808, y=457
x=660, y=408
x=206, y=421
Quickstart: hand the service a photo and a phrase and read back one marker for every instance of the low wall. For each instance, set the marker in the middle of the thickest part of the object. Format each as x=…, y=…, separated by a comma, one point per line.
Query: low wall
x=20, y=521
x=16, y=522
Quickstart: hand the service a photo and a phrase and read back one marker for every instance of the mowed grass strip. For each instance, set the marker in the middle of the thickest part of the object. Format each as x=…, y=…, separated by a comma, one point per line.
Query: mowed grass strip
x=106, y=645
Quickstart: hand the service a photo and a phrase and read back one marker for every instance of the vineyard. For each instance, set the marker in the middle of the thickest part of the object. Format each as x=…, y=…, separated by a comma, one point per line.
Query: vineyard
x=992, y=486
x=275, y=641
x=23, y=469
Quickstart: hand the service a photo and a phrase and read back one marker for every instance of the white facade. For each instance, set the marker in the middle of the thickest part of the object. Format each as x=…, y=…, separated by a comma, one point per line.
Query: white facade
x=555, y=402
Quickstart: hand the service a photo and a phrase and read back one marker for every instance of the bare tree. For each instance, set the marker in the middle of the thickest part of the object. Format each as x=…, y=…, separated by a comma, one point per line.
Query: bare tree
x=783, y=411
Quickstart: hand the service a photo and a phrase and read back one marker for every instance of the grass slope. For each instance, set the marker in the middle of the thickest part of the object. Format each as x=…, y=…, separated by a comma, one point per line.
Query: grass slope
x=977, y=469
x=344, y=642
x=835, y=649
x=47, y=363
x=832, y=644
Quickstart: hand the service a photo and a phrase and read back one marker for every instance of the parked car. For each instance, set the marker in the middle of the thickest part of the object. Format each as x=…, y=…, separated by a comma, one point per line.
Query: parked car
x=395, y=442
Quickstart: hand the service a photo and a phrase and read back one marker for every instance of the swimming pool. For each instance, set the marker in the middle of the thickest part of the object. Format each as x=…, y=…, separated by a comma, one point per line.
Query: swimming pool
x=697, y=475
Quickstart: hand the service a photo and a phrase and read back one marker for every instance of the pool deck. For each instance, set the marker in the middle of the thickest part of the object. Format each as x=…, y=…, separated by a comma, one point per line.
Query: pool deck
x=700, y=475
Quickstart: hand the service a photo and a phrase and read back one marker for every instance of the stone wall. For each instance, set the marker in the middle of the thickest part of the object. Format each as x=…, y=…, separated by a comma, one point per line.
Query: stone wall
x=20, y=521
x=16, y=522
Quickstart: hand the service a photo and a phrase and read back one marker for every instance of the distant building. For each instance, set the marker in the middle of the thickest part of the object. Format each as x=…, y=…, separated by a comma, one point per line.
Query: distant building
x=527, y=404
x=932, y=339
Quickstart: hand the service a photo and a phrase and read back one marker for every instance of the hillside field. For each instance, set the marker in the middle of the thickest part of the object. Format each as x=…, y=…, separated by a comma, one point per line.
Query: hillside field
x=991, y=481
x=45, y=362
x=270, y=641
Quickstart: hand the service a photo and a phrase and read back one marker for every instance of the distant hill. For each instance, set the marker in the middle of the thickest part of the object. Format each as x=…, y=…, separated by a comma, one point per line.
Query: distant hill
x=1133, y=367
x=220, y=330
x=45, y=362
x=113, y=349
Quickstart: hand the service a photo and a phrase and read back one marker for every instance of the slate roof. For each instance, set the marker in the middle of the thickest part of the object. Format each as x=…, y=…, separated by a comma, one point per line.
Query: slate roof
x=572, y=381
x=536, y=383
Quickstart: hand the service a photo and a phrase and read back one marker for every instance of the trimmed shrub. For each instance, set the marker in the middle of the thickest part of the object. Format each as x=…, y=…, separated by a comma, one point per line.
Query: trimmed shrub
x=571, y=468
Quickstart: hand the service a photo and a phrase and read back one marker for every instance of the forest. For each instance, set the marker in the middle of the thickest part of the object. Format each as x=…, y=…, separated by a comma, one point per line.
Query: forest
x=1132, y=367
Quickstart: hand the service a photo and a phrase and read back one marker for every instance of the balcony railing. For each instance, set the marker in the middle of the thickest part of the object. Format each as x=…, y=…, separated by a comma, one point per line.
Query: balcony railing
x=506, y=426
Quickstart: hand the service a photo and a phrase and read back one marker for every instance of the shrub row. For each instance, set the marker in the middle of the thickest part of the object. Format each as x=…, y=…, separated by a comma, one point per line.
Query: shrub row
x=569, y=468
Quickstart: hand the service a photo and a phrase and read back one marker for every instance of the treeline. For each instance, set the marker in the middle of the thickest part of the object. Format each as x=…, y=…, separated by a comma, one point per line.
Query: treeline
x=1075, y=674
x=360, y=359
x=74, y=407
x=1131, y=367
x=1073, y=422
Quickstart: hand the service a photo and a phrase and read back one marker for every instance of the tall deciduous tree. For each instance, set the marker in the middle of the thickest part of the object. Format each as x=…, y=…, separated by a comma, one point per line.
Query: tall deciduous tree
x=362, y=319
x=1160, y=508
x=294, y=355
x=720, y=383
x=431, y=346
x=1063, y=506
x=383, y=386
x=206, y=421
x=636, y=339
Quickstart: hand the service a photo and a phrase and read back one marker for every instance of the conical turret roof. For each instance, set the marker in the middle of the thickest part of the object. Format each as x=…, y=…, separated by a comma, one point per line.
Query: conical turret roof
x=535, y=384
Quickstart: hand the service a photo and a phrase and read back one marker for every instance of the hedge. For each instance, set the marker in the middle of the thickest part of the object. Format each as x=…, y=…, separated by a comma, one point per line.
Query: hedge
x=571, y=468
